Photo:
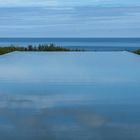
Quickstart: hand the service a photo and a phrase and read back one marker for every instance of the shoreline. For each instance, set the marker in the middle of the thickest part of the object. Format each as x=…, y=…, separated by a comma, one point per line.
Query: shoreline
x=54, y=48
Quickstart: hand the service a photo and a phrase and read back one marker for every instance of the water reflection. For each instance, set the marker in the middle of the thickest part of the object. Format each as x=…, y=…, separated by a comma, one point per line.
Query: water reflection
x=83, y=95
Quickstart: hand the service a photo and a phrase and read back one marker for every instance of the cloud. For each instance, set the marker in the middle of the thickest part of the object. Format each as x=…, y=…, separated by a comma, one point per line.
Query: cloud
x=71, y=3
x=69, y=18
x=27, y=3
x=46, y=16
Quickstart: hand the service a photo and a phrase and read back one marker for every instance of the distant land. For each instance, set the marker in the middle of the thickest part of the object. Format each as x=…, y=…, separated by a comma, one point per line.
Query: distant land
x=47, y=47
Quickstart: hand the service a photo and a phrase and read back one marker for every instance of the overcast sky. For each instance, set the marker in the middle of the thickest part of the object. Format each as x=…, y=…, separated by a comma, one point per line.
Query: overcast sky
x=69, y=18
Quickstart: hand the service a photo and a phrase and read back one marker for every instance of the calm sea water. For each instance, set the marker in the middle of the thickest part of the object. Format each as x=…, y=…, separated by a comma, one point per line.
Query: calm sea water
x=70, y=96
x=81, y=43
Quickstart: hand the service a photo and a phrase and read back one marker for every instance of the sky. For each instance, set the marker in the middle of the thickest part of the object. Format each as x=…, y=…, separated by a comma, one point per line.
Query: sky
x=69, y=18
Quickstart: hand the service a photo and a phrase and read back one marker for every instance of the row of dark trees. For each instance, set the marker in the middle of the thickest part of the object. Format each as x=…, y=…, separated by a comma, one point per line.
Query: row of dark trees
x=46, y=47
x=50, y=47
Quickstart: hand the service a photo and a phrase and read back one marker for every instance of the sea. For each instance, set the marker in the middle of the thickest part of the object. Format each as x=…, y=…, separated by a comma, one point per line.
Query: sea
x=87, y=44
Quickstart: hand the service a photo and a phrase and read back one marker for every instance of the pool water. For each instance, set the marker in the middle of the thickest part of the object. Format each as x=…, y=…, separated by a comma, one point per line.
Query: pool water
x=70, y=96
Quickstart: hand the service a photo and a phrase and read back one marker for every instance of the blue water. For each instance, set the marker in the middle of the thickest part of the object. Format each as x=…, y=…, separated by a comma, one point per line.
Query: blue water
x=90, y=44
x=70, y=96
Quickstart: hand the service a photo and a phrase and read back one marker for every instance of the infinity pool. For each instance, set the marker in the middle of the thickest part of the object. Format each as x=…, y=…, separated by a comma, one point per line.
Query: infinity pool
x=70, y=96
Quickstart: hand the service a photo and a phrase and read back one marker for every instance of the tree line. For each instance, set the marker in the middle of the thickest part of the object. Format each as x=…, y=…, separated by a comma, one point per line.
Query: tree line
x=44, y=47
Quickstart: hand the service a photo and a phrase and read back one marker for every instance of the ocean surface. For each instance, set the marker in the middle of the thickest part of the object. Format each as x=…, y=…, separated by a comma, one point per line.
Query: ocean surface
x=90, y=44
x=70, y=96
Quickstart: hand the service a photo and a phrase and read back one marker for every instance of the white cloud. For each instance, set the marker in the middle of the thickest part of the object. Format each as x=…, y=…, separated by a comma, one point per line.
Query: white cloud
x=65, y=17
x=66, y=3
x=24, y=3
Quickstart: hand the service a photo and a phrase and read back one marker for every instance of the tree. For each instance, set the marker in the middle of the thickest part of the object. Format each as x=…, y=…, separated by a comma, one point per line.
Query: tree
x=30, y=48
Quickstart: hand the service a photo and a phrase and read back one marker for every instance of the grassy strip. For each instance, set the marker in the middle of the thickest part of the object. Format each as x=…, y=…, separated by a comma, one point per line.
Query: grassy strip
x=137, y=52
x=50, y=47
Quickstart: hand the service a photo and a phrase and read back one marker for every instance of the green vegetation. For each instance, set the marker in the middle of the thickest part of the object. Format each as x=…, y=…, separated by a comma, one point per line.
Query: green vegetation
x=50, y=47
x=137, y=51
